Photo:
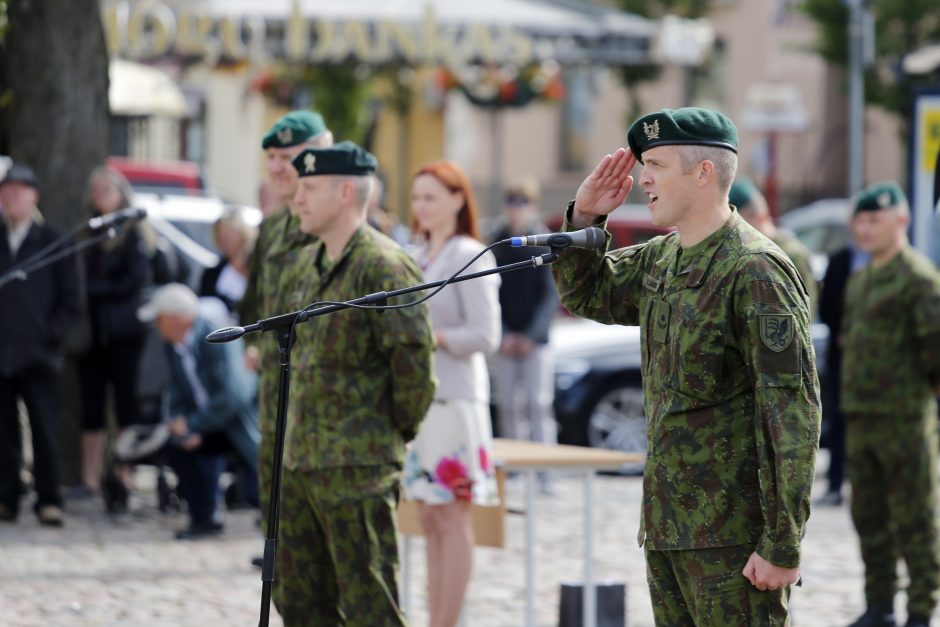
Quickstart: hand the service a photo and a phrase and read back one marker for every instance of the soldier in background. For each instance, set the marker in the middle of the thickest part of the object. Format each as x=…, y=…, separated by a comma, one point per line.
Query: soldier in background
x=752, y=206
x=890, y=371
x=729, y=378
x=364, y=384
x=269, y=292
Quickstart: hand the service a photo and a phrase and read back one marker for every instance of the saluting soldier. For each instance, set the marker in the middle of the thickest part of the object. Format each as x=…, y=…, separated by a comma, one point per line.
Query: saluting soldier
x=731, y=394
x=752, y=206
x=890, y=372
x=270, y=290
x=364, y=383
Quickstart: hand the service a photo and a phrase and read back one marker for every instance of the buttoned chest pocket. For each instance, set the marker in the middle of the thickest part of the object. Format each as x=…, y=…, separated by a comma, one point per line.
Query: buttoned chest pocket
x=695, y=341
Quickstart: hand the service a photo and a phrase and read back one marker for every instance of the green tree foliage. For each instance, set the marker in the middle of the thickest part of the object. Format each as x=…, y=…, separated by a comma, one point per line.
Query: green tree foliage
x=901, y=26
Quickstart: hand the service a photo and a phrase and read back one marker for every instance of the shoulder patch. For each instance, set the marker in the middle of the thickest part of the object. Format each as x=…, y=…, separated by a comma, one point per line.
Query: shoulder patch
x=776, y=331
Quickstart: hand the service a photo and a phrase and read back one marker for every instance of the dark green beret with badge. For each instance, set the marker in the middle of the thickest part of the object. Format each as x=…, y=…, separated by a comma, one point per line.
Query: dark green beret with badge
x=879, y=196
x=294, y=128
x=742, y=192
x=689, y=126
x=343, y=159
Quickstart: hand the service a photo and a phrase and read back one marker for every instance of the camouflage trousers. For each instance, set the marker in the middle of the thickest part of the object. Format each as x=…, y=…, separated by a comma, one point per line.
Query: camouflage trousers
x=705, y=588
x=337, y=558
x=892, y=468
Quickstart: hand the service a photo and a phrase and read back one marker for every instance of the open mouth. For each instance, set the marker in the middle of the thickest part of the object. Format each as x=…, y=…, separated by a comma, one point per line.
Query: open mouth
x=653, y=198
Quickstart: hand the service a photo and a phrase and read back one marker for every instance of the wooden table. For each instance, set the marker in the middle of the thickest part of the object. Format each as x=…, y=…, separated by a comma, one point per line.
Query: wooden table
x=529, y=458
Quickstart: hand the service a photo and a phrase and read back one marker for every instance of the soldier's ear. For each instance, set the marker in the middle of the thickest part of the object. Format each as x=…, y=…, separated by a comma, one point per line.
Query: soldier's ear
x=705, y=173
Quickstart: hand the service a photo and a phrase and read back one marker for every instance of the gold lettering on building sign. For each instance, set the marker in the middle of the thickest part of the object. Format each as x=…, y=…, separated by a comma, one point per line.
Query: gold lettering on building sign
x=151, y=30
x=297, y=34
x=194, y=37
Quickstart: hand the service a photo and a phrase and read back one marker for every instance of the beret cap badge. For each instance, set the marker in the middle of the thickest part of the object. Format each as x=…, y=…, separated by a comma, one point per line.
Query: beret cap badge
x=310, y=161
x=651, y=130
x=285, y=135
x=884, y=200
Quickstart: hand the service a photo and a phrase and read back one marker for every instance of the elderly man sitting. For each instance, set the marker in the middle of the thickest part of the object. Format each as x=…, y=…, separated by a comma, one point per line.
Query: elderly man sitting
x=210, y=401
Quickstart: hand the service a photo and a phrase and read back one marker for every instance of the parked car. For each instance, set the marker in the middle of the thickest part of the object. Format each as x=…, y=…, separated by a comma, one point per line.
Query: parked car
x=598, y=384
x=823, y=227
x=180, y=177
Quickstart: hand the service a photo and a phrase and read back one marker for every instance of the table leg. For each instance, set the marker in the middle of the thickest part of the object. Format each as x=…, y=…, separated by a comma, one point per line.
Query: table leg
x=589, y=616
x=406, y=575
x=530, y=548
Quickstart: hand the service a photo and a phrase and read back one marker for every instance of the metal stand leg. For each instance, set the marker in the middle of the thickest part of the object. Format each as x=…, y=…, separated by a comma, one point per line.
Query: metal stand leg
x=589, y=616
x=406, y=575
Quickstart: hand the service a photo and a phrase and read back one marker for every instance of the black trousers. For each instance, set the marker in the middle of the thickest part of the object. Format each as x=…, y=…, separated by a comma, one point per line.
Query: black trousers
x=198, y=472
x=117, y=364
x=39, y=387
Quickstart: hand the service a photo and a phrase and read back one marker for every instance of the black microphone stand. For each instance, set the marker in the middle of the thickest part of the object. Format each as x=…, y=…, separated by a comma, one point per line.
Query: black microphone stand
x=21, y=272
x=284, y=326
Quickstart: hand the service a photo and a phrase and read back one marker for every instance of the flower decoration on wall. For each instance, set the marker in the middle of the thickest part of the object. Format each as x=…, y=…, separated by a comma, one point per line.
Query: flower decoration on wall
x=505, y=86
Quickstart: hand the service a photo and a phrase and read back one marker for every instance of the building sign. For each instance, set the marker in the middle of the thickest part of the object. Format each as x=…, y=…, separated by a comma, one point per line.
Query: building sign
x=153, y=29
x=925, y=144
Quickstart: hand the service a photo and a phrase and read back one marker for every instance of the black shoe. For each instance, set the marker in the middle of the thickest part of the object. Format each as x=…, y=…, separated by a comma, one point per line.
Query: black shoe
x=197, y=531
x=831, y=499
x=7, y=514
x=115, y=494
x=877, y=615
x=257, y=562
x=915, y=620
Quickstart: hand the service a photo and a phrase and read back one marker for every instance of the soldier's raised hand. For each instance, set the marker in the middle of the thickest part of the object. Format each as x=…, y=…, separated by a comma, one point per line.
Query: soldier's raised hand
x=604, y=189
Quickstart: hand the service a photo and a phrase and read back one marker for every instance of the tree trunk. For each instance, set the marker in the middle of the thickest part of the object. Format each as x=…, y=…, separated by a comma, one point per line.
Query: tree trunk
x=55, y=118
x=56, y=69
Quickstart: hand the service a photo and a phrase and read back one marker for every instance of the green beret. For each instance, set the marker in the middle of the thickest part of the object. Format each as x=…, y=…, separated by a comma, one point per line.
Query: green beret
x=879, y=196
x=291, y=129
x=687, y=126
x=742, y=192
x=344, y=158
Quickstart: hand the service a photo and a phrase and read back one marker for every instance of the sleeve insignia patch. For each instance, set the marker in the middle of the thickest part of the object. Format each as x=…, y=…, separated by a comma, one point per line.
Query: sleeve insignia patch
x=776, y=331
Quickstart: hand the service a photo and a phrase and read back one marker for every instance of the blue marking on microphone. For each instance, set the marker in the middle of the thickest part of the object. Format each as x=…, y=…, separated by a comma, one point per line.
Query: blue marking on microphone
x=517, y=241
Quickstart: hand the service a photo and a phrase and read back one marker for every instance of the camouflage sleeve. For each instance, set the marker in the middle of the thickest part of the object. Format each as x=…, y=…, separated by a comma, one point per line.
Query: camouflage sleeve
x=249, y=310
x=599, y=286
x=926, y=313
x=773, y=328
x=404, y=337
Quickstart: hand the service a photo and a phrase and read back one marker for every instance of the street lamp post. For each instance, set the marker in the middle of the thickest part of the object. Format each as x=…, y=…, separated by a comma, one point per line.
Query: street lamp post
x=861, y=55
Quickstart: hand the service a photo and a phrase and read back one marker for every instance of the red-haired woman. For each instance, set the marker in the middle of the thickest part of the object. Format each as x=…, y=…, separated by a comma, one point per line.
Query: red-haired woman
x=449, y=464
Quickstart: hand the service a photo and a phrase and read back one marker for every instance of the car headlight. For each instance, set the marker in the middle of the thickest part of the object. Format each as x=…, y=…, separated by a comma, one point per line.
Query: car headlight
x=569, y=372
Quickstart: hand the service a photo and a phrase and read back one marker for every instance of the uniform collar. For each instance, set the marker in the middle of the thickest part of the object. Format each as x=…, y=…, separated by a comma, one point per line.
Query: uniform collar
x=696, y=259
x=326, y=269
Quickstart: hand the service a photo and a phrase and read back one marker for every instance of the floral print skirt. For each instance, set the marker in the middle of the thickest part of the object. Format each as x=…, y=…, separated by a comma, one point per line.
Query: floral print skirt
x=451, y=459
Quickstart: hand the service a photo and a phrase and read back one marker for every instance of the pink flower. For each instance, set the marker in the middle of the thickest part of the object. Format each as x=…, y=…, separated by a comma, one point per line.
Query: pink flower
x=484, y=460
x=448, y=470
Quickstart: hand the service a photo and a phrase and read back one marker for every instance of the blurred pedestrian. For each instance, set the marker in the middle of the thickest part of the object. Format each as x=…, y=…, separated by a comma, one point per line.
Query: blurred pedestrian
x=449, y=464
x=752, y=206
x=364, y=384
x=890, y=371
x=381, y=218
x=117, y=274
x=831, y=306
x=523, y=367
x=35, y=316
x=271, y=288
x=228, y=279
x=210, y=399
x=732, y=399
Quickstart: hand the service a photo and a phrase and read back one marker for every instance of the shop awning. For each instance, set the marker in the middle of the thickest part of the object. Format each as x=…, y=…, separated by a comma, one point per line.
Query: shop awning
x=138, y=90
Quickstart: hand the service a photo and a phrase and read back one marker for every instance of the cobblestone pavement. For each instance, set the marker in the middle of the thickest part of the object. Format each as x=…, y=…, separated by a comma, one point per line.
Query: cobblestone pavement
x=130, y=571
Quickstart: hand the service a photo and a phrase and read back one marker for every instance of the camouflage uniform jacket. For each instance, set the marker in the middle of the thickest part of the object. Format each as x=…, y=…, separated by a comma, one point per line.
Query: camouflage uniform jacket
x=800, y=256
x=729, y=379
x=891, y=337
x=279, y=239
x=363, y=378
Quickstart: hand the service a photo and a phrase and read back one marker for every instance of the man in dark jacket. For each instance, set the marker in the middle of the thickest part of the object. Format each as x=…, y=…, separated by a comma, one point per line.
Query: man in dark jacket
x=529, y=302
x=35, y=314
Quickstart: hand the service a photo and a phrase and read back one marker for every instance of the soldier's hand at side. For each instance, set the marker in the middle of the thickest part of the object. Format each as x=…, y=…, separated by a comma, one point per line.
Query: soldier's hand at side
x=252, y=358
x=604, y=189
x=766, y=576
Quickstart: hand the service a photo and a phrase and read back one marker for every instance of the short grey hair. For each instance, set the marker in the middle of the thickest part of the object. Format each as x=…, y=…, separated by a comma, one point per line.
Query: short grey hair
x=726, y=162
x=361, y=184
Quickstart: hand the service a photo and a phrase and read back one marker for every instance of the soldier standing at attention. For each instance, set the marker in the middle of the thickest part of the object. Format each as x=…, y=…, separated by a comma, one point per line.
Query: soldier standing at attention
x=729, y=374
x=890, y=372
x=269, y=292
x=752, y=206
x=364, y=383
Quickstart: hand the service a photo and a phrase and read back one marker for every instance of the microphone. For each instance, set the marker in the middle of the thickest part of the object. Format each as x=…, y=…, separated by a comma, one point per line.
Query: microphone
x=220, y=336
x=118, y=217
x=591, y=238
